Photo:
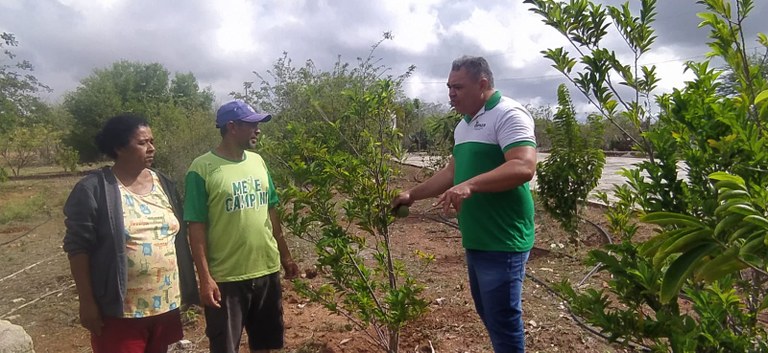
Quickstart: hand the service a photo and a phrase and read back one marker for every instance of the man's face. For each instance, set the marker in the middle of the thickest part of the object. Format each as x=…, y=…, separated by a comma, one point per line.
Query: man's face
x=465, y=93
x=246, y=134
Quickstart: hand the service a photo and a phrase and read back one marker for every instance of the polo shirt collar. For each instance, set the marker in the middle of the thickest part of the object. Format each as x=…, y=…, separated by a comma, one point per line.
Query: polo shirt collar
x=491, y=103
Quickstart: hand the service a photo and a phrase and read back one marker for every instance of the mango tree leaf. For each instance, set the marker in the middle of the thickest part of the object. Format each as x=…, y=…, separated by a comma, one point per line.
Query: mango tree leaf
x=671, y=218
x=722, y=265
x=681, y=269
x=761, y=97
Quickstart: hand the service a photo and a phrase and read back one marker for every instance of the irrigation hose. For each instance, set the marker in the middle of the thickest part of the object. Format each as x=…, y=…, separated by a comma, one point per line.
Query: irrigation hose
x=579, y=321
x=26, y=233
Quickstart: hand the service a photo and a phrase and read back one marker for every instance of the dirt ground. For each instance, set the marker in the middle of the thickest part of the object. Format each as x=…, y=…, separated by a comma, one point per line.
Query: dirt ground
x=37, y=291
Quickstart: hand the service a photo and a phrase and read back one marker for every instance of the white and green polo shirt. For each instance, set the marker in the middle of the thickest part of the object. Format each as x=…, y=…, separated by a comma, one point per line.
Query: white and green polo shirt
x=498, y=221
x=233, y=198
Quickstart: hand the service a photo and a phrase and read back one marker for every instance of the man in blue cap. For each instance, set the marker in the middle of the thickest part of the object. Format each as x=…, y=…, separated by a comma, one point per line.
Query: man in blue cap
x=236, y=237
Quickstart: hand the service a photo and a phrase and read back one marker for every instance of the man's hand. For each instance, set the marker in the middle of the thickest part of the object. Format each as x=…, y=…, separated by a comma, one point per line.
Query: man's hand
x=402, y=199
x=90, y=317
x=291, y=269
x=209, y=293
x=453, y=197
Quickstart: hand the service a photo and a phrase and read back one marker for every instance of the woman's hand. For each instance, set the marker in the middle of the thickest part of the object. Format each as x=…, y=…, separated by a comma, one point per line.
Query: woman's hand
x=90, y=317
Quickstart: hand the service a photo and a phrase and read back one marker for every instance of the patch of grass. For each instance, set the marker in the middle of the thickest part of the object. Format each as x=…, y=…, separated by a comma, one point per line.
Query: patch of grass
x=23, y=210
x=190, y=315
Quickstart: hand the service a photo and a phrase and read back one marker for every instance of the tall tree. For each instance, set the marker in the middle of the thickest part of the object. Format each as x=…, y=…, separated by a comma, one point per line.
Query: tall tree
x=574, y=166
x=330, y=149
x=19, y=103
x=141, y=88
x=698, y=285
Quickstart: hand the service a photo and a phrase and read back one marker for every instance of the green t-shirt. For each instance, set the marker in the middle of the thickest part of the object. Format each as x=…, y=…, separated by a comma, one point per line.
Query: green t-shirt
x=494, y=221
x=232, y=198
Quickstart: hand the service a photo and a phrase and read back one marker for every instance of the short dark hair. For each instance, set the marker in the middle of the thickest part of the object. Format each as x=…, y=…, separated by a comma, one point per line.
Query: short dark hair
x=477, y=67
x=117, y=132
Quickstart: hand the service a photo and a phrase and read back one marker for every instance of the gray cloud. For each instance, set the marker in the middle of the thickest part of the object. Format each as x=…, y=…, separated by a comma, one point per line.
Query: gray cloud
x=66, y=42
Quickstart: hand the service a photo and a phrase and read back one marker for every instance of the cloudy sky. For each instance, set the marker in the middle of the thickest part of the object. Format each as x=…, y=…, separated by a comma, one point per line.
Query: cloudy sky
x=222, y=42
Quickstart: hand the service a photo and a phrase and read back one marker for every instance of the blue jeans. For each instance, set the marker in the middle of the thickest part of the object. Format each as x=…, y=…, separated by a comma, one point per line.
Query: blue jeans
x=496, y=282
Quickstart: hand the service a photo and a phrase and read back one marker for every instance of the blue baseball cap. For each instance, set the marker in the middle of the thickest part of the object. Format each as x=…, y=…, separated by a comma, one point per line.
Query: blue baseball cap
x=237, y=110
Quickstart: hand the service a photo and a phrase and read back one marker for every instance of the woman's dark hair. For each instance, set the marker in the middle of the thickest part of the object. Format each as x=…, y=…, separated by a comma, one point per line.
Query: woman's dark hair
x=117, y=132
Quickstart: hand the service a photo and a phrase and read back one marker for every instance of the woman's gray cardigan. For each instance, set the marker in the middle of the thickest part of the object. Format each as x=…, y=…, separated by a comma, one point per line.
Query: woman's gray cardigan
x=94, y=225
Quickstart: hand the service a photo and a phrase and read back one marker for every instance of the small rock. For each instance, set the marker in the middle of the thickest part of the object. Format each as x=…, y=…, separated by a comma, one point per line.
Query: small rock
x=532, y=323
x=13, y=338
x=182, y=346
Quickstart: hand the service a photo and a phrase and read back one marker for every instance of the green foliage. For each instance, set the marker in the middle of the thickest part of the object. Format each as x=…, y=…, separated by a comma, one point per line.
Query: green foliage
x=712, y=225
x=729, y=81
x=440, y=135
x=181, y=135
x=735, y=239
x=145, y=89
x=635, y=284
x=338, y=198
x=23, y=210
x=574, y=165
x=21, y=146
x=19, y=104
x=331, y=148
x=67, y=158
x=585, y=25
x=542, y=120
x=416, y=117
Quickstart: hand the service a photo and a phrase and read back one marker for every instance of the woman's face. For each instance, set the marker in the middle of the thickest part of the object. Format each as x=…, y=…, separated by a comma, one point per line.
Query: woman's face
x=140, y=150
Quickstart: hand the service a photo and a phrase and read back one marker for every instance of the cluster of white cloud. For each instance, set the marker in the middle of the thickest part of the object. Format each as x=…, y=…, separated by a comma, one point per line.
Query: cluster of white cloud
x=223, y=42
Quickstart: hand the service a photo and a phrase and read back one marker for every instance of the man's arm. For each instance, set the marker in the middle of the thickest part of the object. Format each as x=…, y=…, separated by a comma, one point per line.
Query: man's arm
x=432, y=187
x=290, y=267
x=518, y=169
x=209, y=290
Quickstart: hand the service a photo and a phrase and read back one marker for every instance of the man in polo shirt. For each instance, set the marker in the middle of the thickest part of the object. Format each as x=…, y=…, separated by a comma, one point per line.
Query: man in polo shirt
x=486, y=183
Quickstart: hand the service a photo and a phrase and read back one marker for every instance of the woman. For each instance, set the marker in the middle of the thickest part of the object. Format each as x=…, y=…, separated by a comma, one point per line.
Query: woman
x=127, y=246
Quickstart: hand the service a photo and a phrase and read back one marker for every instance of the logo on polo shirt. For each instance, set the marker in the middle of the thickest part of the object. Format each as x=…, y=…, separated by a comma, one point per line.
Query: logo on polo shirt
x=479, y=126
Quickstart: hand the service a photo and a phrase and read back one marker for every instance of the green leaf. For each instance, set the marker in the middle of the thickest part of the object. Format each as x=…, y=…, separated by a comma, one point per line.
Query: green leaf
x=743, y=232
x=720, y=176
x=651, y=246
x=730, y=185
x=762, y=39
x=684, y=243
x=761, y=97
x=755, y=245
x=732, y=195
x=720, y=266
x=681, y=269
x=764, y=304
x=742, y=209
x=728, y=223
x=757, y=220
x=671, y=218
